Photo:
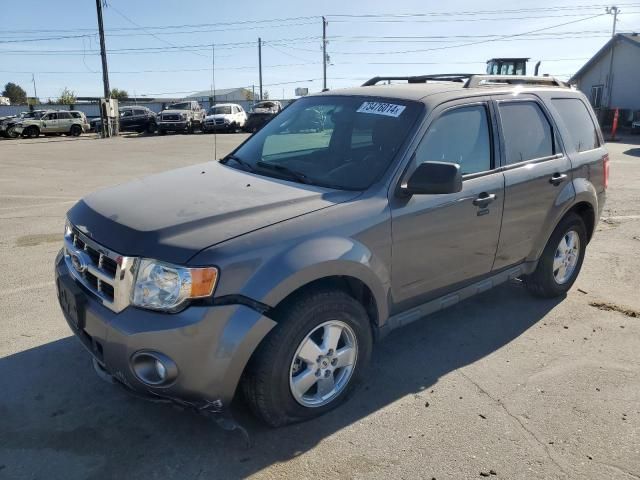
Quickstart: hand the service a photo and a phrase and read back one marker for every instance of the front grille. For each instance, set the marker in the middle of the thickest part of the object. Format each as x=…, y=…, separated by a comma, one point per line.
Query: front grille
x=219, y=121
x=171, y=118
x=106, y=274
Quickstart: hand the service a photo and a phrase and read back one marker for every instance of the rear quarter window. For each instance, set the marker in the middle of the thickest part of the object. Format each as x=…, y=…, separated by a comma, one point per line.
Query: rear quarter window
x=583, y=134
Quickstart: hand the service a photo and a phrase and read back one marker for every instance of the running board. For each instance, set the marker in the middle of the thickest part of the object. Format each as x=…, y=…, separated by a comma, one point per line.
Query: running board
x=416, y=313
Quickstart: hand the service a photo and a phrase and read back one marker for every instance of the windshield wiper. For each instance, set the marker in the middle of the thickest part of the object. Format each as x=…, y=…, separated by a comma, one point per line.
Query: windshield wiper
x=299, y=176
x=239, y=161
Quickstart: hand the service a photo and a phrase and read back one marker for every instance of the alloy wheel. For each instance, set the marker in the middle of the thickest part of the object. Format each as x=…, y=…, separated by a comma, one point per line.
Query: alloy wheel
x=566, y=257
x=323, y=364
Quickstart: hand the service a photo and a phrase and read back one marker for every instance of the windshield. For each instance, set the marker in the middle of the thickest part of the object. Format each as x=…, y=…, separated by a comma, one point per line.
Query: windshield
x=340, y=142
x=180, y=106
x=226, y=110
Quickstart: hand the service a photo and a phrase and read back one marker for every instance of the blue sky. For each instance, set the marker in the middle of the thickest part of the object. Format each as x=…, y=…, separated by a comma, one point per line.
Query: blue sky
x=359, y=47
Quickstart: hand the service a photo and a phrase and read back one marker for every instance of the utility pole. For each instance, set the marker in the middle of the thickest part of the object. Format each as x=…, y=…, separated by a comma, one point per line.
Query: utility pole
x=35, y=91
x=106, y=127
x=613, y=10
x=324, y=54
x=260, y=64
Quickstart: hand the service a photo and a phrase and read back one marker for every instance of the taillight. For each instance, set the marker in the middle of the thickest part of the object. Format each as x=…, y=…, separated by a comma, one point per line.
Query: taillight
x=605, y=169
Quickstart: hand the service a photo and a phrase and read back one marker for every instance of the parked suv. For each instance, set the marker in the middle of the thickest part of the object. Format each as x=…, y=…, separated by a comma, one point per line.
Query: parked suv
x=276, y=268
x=225, y=116
x=180, y=117
x=60, y=122
x=8, y=124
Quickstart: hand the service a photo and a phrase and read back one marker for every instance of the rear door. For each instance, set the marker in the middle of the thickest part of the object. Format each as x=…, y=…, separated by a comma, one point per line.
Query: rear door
x=442, y=241
x=537, y=176
x=65, y=120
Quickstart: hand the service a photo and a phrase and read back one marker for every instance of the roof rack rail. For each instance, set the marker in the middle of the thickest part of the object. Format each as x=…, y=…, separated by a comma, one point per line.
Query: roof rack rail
x=439, y=77
x=497, y=80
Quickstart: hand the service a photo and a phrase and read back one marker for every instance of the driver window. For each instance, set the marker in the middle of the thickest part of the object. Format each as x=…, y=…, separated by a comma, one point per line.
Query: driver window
x=459, y=136
x=310, y=130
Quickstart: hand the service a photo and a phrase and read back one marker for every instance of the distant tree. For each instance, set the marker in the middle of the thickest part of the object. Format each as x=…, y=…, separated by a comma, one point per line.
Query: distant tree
x=67, y=97
x=119, y=94
x=15, y=92
x=265, y=95
x=248, y=95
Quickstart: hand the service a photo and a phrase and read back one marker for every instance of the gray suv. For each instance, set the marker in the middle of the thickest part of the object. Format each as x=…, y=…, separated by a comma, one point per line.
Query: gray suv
x=274, y=271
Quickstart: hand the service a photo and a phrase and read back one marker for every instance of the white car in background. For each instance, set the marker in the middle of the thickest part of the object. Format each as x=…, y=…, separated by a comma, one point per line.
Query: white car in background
x=228, y=117
x=267, y=106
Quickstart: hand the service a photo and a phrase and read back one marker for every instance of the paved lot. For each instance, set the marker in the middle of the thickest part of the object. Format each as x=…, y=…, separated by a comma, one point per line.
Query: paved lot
x=505, y=383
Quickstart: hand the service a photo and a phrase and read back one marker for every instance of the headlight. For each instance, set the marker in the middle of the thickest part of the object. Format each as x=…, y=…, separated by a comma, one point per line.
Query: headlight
x=184, y=116
x=160, y=286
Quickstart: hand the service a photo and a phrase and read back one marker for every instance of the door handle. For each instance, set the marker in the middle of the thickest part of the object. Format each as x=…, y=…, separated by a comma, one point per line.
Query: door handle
x=484, y=199
x=557, y=178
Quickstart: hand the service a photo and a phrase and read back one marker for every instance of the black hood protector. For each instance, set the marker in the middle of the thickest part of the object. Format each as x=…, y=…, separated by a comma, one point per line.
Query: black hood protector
x=173, y=215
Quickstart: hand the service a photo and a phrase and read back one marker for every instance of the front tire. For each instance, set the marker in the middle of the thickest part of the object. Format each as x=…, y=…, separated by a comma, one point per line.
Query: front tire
x=561, y=259
x=311, y=361
x=31, y=132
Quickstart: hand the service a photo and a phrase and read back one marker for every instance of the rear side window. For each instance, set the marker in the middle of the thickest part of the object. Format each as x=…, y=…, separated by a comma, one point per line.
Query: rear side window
x=459, y=136
x=583, y=135
x=64, y=115
x=527, y=132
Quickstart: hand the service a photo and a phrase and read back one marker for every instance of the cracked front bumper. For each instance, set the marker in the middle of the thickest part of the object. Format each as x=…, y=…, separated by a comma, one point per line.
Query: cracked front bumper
x=210, y=345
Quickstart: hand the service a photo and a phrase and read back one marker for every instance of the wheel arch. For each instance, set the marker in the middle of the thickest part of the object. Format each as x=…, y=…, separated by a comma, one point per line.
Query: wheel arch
x=351, y=285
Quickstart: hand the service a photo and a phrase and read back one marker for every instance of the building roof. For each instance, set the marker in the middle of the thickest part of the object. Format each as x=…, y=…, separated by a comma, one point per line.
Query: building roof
x=631, y=38
x=218, y=92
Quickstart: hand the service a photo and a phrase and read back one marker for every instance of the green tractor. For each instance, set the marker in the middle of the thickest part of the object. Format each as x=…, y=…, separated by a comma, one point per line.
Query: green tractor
x=509, y=66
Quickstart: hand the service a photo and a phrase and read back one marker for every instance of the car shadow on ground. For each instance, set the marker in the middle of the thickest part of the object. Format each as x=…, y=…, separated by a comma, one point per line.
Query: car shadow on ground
x=634, y=152
x=54, y=407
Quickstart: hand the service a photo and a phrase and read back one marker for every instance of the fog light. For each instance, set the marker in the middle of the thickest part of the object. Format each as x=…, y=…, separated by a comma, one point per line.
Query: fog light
x=154, y=368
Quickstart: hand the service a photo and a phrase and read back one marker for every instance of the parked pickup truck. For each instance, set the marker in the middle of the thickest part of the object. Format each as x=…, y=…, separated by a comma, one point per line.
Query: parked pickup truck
x=275, y=269
x=180, y=117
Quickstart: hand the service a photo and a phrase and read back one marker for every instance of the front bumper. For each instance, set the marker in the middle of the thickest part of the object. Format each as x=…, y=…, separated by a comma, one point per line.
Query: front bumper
x=210, y=345
x=172, y=126
x=210, y=127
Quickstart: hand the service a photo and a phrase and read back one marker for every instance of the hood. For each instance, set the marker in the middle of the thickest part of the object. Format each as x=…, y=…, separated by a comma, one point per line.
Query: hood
x=171, y=216
x=173, y=112
x=217, y=115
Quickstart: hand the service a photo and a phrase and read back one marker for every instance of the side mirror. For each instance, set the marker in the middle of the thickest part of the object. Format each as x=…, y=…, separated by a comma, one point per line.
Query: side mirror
x=434, y=178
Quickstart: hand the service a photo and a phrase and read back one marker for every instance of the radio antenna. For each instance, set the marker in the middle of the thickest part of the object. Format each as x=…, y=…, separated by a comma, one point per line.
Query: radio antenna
x=213, y=100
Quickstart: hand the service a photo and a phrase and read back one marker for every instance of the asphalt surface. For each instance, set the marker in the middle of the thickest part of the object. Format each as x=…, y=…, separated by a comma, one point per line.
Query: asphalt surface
x=502, y=385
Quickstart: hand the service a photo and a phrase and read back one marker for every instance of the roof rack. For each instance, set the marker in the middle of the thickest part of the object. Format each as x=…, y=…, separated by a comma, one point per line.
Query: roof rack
x=497, y=80
x=439, y=77
x=472, y=80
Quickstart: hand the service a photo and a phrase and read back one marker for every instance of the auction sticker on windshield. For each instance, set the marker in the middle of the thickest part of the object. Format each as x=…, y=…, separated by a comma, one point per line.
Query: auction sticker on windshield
x=381, y=108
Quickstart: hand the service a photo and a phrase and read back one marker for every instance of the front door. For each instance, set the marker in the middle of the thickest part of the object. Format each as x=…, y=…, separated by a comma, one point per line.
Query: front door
x=442, y=241
x=50, y=123
x=536, y=173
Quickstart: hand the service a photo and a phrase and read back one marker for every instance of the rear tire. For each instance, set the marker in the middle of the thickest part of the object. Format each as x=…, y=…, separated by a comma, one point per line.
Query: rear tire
x=75, y=131
x=561, y=259
x=269, y=383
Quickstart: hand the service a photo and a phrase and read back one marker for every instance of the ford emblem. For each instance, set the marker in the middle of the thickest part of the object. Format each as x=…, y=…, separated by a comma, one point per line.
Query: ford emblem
x=79, y=261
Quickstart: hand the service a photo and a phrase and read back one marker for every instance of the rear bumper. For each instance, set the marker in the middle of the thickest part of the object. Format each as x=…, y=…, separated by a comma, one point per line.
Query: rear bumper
x=209, y=345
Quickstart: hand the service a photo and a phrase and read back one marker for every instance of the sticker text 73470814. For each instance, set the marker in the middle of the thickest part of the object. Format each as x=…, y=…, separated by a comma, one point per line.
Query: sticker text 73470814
x=381, y=108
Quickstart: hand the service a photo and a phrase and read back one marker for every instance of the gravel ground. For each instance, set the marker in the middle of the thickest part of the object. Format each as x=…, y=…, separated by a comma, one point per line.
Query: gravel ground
x=500, y=386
